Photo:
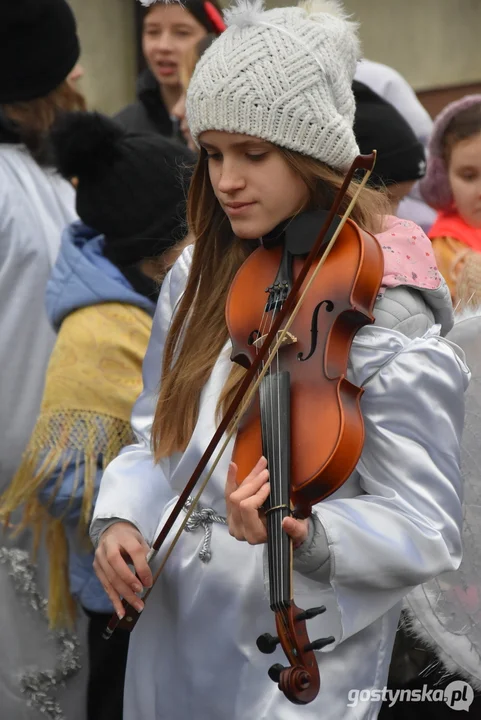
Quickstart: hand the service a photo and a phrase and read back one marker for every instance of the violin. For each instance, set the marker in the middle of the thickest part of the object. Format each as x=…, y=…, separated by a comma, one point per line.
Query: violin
x=292, y=312
x=306, y=418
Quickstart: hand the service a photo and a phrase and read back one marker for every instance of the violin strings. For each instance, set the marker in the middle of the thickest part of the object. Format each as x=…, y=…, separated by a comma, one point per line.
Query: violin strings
x=281, y=499
x=263, y=389
x=272, y=432
x=268, y=434
x=273, y=474
x=279, y=487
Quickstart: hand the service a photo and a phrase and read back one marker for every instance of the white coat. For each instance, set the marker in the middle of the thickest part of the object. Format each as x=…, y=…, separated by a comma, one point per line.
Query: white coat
x=35, y=206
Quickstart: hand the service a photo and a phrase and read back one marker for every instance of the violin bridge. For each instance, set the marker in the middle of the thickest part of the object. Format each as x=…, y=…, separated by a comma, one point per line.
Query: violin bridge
x=289, y=339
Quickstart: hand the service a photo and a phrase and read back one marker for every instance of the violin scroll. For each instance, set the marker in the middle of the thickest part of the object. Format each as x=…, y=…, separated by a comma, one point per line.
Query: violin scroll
x=300, y=682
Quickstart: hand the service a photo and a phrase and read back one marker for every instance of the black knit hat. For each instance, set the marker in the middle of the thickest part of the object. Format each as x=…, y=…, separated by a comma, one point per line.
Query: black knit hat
x=378, y=125
x=131, y=188
x=38, y=47
x=209, y=17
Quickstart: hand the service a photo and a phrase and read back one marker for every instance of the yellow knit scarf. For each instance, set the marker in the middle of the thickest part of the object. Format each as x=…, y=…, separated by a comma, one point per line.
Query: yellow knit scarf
x=93, y=379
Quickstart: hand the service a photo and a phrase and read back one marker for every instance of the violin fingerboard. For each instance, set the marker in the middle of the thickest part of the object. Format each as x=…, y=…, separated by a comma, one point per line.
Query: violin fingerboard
x=275, y=396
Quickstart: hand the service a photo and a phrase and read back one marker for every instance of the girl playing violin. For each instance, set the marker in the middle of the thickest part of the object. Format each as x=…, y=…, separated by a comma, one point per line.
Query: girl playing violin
x=272, y=109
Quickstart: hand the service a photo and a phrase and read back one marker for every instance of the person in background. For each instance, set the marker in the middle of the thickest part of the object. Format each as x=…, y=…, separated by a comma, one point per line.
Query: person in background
x=452, y=186
x=391, y=86
x=39, y=50
x=101, y=298
x=170, y=31
x=187, y=68
x=401, y=159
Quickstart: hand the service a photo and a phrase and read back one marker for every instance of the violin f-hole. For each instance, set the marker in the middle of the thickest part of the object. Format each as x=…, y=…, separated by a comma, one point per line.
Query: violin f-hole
x=314, y=329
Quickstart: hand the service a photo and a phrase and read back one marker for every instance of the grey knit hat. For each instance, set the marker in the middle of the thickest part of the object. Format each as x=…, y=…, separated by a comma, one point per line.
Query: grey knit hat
x=282, y=75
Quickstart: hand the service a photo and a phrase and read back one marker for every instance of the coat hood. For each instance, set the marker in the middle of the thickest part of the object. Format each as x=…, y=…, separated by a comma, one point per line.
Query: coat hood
x=82, y=276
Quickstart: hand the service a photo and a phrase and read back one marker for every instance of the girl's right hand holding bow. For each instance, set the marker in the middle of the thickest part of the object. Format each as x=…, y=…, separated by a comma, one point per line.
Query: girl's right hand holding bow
x=119, y=545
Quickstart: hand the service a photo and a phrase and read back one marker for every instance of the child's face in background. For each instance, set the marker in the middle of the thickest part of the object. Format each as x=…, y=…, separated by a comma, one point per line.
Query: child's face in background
x=170, y=32
x=465, y=178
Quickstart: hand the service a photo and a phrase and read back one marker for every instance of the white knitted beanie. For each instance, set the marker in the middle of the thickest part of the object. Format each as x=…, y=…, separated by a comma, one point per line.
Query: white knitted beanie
x=282, y=75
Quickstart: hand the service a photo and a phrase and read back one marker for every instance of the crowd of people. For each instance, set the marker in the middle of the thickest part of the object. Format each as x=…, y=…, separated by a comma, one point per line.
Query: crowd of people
x=121, y=239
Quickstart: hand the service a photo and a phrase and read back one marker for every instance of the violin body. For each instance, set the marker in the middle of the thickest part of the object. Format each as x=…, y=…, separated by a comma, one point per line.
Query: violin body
x=326, y=426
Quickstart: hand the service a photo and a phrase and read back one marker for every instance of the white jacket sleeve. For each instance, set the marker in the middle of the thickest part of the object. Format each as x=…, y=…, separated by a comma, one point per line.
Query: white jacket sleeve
x=406, y=529
x=133, y=487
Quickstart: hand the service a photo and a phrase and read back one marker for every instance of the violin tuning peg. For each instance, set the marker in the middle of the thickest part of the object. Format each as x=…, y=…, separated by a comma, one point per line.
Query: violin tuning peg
x=275, y=672
x=312, y=613
x=319, y=644
x=267, y=644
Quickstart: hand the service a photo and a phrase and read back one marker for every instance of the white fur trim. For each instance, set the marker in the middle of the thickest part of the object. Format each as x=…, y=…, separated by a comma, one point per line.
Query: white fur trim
x=316, y=9
x=455, y=652
x=467, y=313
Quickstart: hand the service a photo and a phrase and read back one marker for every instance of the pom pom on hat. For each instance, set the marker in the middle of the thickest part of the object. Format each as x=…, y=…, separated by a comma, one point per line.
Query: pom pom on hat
x=84, y=143
x=250, y=12
x=245, y=13
x=331, y=7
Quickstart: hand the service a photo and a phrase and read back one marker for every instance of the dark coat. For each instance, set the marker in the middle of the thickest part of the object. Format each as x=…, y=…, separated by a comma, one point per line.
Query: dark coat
x=148, y=113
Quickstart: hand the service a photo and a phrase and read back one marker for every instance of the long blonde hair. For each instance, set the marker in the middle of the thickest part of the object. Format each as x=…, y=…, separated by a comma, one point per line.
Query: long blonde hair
x=198, y=331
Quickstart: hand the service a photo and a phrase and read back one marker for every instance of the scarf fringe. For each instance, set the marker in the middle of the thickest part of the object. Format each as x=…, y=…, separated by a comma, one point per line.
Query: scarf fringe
x=86, y=441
